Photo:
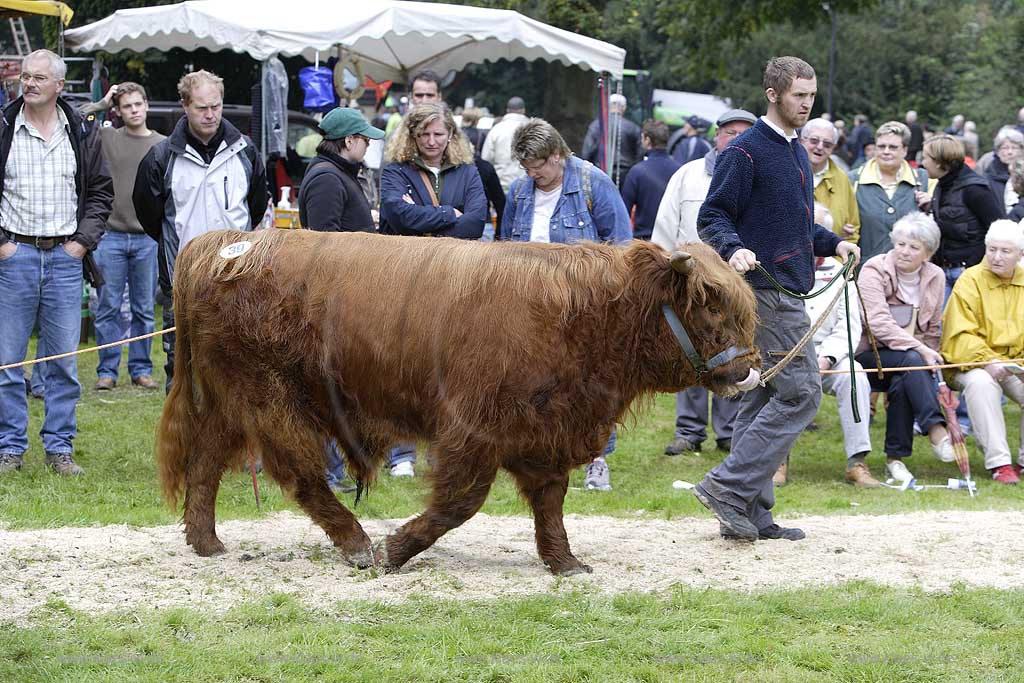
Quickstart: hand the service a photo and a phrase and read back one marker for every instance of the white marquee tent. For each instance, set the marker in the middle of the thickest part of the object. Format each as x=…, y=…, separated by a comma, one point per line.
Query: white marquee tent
x=391, y=38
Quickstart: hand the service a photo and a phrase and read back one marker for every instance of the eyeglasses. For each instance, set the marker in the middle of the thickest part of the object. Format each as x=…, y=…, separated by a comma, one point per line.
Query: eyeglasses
x=28, y=78
x=533, y=167
x=814, y=142
x=888, y=148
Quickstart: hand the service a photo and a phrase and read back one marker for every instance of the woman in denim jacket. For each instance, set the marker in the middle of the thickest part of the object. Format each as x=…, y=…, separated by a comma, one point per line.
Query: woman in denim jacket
x=578, y=200
x=563, y=199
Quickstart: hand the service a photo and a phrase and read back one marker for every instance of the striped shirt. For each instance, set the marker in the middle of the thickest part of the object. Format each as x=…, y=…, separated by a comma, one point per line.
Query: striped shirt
x=39, y=196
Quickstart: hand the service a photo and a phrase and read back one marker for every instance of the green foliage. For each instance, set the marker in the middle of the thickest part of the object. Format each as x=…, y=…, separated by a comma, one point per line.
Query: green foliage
x=855, y=632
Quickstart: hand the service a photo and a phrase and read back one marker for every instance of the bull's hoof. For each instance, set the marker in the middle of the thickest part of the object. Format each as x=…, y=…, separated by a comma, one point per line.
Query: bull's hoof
x=572, y=569
x=208, y=548
x=380, y=558
x=360, y=559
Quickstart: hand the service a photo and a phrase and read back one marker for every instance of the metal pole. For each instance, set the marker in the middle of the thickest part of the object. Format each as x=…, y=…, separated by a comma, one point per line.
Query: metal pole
x=831, y=58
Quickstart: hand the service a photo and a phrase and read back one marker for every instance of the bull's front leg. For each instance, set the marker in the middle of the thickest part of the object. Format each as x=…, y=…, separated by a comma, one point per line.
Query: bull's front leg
x=461, y=483
x=546, y=494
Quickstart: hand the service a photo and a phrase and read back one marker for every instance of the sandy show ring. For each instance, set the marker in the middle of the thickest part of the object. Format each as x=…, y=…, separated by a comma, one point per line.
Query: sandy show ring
x=98, y=569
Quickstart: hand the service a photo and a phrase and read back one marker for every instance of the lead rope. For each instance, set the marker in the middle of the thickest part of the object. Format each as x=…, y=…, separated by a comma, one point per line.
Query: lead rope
x=845, y=276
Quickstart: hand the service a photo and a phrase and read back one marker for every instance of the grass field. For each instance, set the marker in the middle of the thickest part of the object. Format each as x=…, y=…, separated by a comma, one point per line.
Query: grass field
x=855, y=632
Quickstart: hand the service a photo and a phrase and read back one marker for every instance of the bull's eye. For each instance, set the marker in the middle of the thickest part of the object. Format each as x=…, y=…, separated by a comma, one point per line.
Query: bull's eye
x=714, y=310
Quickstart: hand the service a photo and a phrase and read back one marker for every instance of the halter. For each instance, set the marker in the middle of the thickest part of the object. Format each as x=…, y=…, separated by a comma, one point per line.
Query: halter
x=695, y=359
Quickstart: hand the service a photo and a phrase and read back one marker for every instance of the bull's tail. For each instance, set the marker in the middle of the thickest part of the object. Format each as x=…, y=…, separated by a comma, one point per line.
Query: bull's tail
x=178, y=428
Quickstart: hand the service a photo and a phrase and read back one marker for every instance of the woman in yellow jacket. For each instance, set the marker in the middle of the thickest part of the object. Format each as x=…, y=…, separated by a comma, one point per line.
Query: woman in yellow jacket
x=984, y=322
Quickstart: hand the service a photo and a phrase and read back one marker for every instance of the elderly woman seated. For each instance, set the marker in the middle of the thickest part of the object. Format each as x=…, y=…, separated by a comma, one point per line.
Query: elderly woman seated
x=984, y=322
x=903, y=295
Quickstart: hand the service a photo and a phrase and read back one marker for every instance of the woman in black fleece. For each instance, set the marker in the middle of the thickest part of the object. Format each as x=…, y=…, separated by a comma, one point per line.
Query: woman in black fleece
x=331, y=198
x=963, y=205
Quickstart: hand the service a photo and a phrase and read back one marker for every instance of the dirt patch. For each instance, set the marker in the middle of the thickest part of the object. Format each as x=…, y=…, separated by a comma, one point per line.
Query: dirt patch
x=114, y=567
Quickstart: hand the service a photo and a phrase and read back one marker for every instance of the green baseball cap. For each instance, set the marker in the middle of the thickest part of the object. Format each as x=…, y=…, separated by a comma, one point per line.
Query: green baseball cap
x=343, y=121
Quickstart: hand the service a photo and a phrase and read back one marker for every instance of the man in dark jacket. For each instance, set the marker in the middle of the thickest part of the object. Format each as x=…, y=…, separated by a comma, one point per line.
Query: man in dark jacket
x=50, y=224
x=629, y=150
x=205, y=176
x=688, y=143
x=760, y=211
x=646, y=182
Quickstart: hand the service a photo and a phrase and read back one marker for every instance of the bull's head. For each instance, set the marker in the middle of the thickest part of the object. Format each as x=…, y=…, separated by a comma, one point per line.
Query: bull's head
x=712, y=317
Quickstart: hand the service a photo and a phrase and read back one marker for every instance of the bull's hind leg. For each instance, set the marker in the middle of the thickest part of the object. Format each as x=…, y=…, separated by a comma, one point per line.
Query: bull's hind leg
x=208, y=460
x=545, y=491
x=294, y=456
x=461, y=483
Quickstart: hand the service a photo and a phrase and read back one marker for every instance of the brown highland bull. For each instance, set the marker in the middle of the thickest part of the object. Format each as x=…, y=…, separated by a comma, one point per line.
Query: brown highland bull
x=521, y=356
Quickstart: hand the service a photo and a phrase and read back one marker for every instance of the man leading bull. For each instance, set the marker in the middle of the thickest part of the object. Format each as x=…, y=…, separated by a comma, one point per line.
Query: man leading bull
x=760, y=211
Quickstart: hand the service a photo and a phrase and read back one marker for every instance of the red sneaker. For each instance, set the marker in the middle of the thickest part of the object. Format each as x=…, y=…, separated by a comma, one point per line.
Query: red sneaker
x=1005, y=475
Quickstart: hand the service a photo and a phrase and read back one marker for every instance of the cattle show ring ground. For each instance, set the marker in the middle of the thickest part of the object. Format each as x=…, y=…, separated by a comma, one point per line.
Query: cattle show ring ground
x=122, y=567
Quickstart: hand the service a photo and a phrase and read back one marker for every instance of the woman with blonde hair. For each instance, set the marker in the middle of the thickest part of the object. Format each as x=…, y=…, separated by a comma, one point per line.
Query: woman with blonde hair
x=431, y=186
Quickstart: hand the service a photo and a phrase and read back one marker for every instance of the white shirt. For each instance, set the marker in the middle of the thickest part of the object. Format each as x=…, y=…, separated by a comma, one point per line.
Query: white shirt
x=788, y=136
x=677, y=214
x=498, y=149
x=543, y=208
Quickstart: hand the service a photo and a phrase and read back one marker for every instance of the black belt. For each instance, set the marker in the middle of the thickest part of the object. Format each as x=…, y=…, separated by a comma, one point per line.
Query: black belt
x=44, y=243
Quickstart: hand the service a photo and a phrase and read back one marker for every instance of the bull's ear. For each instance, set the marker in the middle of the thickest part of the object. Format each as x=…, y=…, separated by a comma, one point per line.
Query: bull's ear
x=682, y=262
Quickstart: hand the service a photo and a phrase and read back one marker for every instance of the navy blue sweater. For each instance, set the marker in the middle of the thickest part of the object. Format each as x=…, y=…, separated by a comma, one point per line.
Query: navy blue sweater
x=645, y=184
x=762, y=199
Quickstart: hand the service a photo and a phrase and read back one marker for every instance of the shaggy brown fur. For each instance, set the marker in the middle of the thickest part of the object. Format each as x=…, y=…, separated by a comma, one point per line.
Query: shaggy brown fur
x=521, y=356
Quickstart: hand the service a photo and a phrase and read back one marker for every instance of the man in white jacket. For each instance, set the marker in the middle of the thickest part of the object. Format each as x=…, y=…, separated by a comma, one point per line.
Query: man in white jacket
x=676, y=223
x=498, y=143
x=831, y=345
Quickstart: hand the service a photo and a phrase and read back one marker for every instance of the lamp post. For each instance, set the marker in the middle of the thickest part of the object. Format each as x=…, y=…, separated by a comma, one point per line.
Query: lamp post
x=827, y=6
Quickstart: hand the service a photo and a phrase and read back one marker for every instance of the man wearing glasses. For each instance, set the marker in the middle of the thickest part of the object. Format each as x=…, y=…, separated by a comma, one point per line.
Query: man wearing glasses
x=831, y=186
x=55, y=196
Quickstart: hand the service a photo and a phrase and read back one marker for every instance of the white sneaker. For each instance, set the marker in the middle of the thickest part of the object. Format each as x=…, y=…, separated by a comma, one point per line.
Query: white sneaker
x=943, y=450
x=898, y=471
x=597, y=478
x=403, y=469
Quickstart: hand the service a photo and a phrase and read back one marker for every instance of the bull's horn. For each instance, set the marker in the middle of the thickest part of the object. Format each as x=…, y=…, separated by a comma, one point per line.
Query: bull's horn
x=682, y=262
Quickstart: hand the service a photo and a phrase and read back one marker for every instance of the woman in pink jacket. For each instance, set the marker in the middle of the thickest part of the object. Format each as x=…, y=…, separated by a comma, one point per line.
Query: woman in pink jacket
x=903, y=294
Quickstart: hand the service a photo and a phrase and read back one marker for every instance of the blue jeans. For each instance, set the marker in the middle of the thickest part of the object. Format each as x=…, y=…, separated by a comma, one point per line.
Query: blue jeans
x=403, y=452
x=913, y=396
x=44, y=287
x=335, y=463
x=125, y=258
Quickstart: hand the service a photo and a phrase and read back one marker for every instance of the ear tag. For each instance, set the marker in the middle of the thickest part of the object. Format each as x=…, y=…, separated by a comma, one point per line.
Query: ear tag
x=235, y=250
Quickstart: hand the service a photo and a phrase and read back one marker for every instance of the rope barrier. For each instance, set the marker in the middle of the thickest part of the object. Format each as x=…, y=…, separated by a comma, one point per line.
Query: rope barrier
x=843, y=276
x=943, y=366
x=81, y=351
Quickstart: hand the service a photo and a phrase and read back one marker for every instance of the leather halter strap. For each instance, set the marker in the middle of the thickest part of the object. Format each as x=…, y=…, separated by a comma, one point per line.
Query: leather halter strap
x=690, y=351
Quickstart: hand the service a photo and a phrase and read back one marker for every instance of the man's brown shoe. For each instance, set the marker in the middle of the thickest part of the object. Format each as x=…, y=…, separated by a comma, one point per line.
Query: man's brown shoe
x=105, y=384
x=146, y=382
x=781, y=475
x=9, y=462
x=64, y=465
x=860, y=475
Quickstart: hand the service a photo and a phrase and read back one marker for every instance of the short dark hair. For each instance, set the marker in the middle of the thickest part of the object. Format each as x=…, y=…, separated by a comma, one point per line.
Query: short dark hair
x=428, y=75
x=127, y=88
x=780, y=72
x=335, y=147
x=516, y=104
x=656, y=132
